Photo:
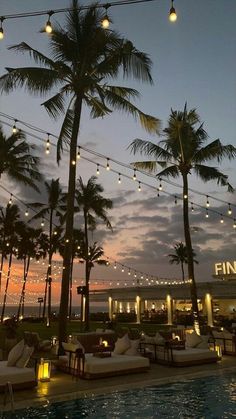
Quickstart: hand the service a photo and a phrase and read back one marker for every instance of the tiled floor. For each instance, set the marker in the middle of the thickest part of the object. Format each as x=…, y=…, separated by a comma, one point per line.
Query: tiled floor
x=64, y=387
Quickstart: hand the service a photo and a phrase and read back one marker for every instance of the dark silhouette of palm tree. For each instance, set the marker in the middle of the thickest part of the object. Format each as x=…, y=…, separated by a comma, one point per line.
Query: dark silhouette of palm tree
x=53, y=208
x=85, y=60
x=17, y=160
x=180, y=257
x=182, y=152
x=32, y=245
x=94, y=207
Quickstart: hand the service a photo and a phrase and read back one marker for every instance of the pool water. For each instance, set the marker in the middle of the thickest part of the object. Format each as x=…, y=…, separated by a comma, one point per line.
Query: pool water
x=211, y=397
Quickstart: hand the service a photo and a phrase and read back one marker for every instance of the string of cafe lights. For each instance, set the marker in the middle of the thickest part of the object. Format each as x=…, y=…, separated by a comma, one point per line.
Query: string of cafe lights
x=105, y=22
x=208, y=197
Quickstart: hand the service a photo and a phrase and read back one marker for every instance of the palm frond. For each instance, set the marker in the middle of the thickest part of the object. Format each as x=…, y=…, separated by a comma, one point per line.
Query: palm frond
x=149, y=149
x=215, y=150
x=207, y=173
x=65, y=133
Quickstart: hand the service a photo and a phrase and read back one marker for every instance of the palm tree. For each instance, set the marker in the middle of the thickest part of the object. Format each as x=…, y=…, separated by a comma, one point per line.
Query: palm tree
x=94, y=206
x=180, y=257
x=11, y=228
x=31, y=246
x=85, y=59
x=52, y=208
x=9, y=220
x=16, y=159
x=182, y=152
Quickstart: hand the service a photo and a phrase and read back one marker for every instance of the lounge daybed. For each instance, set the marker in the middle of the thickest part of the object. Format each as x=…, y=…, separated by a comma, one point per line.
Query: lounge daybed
x=20, y=378
x=95, y=367
x=125, y=359
x=194, y=350
x=226, y=340
x=15, y=371
x=91, y=339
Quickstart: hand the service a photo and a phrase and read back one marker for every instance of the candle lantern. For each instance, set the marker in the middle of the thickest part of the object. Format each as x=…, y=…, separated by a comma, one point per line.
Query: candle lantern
x=44, y=370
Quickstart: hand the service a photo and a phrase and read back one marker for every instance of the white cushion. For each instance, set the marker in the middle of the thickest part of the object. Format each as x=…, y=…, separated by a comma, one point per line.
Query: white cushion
x=192, y=340
x=204, y=344
x=133, y=349
x=115, y=363
x=15, y=353
x=25, y=356
x=190, y=355
x=72, y=346
x=15, y=375
x=122, y=344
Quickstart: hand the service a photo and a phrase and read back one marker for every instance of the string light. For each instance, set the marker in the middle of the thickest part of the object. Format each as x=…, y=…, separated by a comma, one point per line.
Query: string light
x=222, y=220
x=172, y=13
x=98, y=172
x=160, y=186
x=234, y=224
x=139, y=186
x=229, y=209
x=106, y=21
x=119, y=179
x=48, y=144
x=185, y=196
x=48, y=26
x=10, y=200
x=175, y=200
x=207, y=214
x=78, y=153
x=207, y=202
x=134, y=175
x=115, y=266
x=192, y=208
x=73, y=162
x=14, y=128
x=42, y=222
x=108, y=165
x=1, y=29
x=26, y=212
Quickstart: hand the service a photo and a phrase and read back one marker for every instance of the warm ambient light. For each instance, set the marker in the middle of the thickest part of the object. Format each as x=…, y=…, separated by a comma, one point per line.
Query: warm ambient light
x=172, y=14
x=106, y=21
x=44, y=370
x=105, y=343
x=48, y=26
x=1, y=30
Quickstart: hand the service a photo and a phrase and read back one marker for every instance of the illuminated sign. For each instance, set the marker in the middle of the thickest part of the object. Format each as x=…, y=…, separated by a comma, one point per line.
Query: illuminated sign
x=225, y=268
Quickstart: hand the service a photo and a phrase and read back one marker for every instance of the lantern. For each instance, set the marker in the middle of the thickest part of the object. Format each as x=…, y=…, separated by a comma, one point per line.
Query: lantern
x=44, y=370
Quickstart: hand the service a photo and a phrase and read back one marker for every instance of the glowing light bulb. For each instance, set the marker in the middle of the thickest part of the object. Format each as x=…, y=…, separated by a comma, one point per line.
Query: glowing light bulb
x=14, y=128
x=119, y=179
x=134, y=175
x=207, y=215
x=78, y=153
x=229, y=210
x=1, y=29
x=27, y=212
x=42, y=222
x=10, y=200
x=207, y=203
x=222, y=220
x=139, y=187
x=172, y=13
x=98, y=172
x=73, y=162
x=108, y=165
x=185, y=196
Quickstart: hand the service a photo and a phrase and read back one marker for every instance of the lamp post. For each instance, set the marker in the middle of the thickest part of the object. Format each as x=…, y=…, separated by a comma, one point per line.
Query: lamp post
x=40, y=301
x=82, y=290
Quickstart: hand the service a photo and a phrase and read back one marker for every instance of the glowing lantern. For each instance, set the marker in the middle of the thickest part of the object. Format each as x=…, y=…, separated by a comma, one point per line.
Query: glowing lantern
x=44, y=370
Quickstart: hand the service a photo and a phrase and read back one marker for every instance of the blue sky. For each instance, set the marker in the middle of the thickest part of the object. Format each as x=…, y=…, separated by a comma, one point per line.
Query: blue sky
x=194, y=60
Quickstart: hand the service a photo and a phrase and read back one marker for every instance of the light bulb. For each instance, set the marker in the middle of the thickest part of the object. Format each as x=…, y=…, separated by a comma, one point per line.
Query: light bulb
x=47, y=151
x=26, y=213
x=207, y=203
x=134, y=175
x=119, y=179
x=160, y=186
x=78, y=154
x=98, y=172
x=73, y=162
x=172, y=13
x=221, y=220
x=42, y=222
x=115, y=266
x=10, y=200
x=175, y=200
x=1, y=29
x=14, y=128
x=48, y=26
x=207, y=215
x=139, y=187
x=185, y=196
x=234, y=224
x=229, y=210
x=108, y=165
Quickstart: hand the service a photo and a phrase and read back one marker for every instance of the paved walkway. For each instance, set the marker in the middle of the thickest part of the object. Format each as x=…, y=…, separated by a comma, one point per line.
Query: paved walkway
x=64, y=387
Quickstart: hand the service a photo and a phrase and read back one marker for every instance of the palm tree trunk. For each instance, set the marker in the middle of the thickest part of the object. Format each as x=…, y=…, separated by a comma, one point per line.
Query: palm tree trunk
x=182, y=270
x=49, y=271
x=193, y=288
x=87, y=272
x=45, y=298
x=1, y=268
x=23, y=288
x=6, y=287
x=20, y=302
x=63, y=312
x=70, y=296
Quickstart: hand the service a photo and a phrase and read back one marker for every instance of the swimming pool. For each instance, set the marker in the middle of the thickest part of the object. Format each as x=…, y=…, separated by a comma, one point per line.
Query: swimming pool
x=209, y=397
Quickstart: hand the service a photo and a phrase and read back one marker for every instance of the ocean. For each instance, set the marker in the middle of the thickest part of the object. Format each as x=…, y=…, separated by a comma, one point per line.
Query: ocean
x=33, y=311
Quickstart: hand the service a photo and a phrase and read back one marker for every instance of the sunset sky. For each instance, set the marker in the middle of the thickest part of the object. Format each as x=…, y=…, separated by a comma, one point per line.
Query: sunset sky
x=194, y=61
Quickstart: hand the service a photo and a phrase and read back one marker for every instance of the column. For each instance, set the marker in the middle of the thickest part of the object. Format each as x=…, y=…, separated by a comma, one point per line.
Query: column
x=116, y=306
x=83, y=313
x=110, y=311
x=208, y=303
x=169, y=309
x=138, y=309
x=145, y=305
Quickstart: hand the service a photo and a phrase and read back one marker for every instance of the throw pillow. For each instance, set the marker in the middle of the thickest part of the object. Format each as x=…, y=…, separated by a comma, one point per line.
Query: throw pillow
x=133, y=350
x=15, y=353
x=25, y=356
x=192, y=340
x=121, y=345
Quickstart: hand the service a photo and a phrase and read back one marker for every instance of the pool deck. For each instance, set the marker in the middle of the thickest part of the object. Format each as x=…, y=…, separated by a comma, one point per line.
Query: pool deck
x=64, y=387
